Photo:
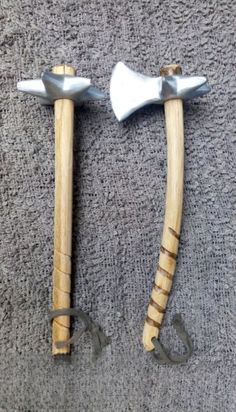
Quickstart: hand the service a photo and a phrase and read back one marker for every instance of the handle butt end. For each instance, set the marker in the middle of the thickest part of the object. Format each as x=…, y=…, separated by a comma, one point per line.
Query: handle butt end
x=149, y=332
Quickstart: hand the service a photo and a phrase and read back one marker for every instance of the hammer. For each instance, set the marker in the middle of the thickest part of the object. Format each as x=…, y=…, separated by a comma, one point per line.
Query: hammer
x=63, y=89
x=130, y=91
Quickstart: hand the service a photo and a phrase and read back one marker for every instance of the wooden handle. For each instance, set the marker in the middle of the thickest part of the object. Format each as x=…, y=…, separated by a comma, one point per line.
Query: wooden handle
x=172, y=221
x=64, y=124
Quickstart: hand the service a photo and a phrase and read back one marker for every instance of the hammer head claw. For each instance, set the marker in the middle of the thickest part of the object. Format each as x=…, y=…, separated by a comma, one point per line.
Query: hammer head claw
x=53, y=86
x=130, y=90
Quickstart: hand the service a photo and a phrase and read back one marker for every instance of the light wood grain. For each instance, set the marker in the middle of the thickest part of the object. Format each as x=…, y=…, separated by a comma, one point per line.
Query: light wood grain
x=64, y=124
x=172, y=220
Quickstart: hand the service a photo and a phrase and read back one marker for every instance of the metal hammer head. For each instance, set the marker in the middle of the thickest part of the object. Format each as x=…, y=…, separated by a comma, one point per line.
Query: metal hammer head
x=130, y=90
x=53, y=86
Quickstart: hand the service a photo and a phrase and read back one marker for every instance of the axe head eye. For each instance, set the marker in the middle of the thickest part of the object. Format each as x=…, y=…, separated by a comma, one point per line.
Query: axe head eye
x=64, y=86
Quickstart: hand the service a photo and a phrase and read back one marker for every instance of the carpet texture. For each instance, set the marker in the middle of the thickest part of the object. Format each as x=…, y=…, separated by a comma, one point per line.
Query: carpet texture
x=119, y=196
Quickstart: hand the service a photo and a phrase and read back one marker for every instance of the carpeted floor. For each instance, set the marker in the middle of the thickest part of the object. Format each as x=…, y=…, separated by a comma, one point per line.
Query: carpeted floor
x=119, y=195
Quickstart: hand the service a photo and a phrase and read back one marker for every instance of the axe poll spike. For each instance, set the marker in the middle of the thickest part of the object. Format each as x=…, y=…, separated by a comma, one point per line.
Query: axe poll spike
x=129, y=91
x=63, y=89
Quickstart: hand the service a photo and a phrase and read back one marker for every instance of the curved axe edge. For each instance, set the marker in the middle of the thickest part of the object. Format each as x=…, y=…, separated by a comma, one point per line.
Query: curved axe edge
x=129, y=90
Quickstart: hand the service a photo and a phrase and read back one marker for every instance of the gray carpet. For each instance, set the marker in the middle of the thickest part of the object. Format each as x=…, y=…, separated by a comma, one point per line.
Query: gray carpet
x=119, y=192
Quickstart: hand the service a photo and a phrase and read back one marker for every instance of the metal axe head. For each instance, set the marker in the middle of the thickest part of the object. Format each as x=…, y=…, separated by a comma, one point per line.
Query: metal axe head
x=53, y=86
x=130, y=90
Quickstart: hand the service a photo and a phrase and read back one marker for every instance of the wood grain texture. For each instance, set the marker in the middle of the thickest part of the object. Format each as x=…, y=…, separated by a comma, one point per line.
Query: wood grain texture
x=64, y=124
x=172, y=220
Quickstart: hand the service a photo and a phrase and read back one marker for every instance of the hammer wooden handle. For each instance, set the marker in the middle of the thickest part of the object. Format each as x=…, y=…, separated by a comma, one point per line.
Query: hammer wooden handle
x=172, y=221
x=64, y=124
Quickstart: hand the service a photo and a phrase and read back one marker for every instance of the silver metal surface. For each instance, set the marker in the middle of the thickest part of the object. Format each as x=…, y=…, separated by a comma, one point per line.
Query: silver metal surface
x=130, y=90
x=52, y=87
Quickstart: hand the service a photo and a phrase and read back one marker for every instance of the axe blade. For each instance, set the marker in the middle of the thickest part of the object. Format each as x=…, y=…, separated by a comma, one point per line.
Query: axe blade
x=130, y=90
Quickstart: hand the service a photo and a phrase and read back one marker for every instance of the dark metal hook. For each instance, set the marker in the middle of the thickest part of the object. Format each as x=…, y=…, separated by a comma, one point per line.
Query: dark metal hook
x=99, y=339
x=165, y=358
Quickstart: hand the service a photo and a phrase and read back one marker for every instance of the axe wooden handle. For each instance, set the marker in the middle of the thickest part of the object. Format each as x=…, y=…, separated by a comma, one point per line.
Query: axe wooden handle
x=172, y=221
x=64, y=124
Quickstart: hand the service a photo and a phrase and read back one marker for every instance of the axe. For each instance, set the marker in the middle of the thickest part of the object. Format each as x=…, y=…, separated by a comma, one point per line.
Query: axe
x=130, y=91
x=62, y=89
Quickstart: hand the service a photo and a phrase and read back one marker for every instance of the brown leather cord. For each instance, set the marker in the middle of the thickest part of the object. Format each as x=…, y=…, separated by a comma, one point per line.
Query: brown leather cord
x=174, y=233
x=99, y=339
x=165, y=358
x=164, y=272
x=159, y=289
x=168, y=253
x=152, y=322
x=156, y=306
